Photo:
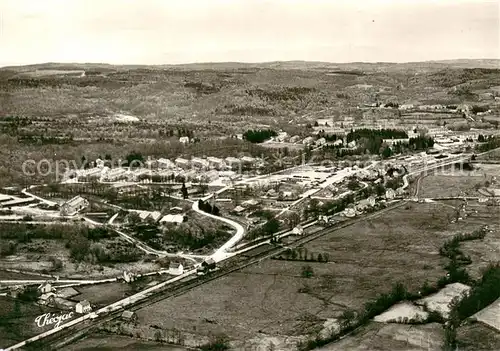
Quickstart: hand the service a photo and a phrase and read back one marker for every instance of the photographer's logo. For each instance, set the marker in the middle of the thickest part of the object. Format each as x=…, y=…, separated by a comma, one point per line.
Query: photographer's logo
x=49, y=319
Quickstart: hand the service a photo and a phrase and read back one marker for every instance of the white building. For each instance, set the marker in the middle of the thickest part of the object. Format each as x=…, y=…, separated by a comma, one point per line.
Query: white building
x=308, y=140
x=99, y=163
x=215, y=162
x=281, y=137
x=349, y=212
x=365, y=204
x=91, y=172
x=298, y=230
x=165, y=163
x=182, y=162
x=83, y=307
x=175, y=268
x=115, y=174
x=170, y=218
x=155, y=216
x=391, y=142
x=184, y=140
x=73, y=206
x=233, y=162
x=406, y=107
x=143, y=215
x=294, y=139
x=390, y=194
x=200, y=162
x=45, y=288
x=247, y=160
x=320, y=141
x=210, y=176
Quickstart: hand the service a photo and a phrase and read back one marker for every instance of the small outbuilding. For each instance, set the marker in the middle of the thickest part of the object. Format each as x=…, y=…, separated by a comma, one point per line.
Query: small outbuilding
x=83, y=307
x=175, y=268
x=129, y=317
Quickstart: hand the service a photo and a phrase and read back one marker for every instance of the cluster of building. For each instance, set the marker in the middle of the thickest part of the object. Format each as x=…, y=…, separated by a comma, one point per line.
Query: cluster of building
x=196, y=169
x=60, y=298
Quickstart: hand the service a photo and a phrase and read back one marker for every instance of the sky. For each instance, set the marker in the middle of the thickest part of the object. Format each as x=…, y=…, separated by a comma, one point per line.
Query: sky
x=185, y=31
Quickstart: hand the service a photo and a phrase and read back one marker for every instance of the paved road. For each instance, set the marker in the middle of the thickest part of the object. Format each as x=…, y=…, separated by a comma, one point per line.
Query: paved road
x=144, y=247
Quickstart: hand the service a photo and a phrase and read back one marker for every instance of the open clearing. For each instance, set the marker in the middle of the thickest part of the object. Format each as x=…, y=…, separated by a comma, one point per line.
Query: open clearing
x=451, y=183
x=441, y=185
x=18, y=323
x=380, y=336
x=366, y=259
x=477, y=336
x=490, y=315
x=105, y=342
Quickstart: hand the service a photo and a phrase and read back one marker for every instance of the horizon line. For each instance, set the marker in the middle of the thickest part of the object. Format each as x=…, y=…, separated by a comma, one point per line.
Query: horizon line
x=245, y=62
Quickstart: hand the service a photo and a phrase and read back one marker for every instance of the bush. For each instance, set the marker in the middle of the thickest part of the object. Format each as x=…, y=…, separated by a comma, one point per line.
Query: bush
x=307, y=272
x=219, y=342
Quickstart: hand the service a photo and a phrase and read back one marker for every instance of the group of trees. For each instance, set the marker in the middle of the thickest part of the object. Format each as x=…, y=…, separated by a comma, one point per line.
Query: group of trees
x=185, y=238
x=372, y=141
x=376, y=134
x=302, y=254
x=84, y=243
x=489, y=143
x=282, y=94
x=206, y=207
x=179, y=132
x=259, y=136
x=334, y=206
x=270, y=227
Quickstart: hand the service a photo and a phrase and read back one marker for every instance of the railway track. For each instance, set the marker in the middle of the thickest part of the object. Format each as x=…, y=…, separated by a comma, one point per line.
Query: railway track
x=69, y=335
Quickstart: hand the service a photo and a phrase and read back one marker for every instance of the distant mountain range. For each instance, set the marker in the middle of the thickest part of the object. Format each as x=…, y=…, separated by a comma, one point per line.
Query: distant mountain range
x=301, y=65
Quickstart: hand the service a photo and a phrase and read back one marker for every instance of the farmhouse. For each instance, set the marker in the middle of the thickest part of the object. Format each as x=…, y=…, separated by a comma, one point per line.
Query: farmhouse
x=74, y=206
x=83, y=307
x=170, y=218
x=67, y=292
x=175, y=268
x=251, y=202
x=209, y=263
x=184, y=140
x=45, y=288
x=47, y=299
x=155, y=216
x=238, y=210
x=294, y=139
x=143, y=215
x=129, y=317
x=365, y=204
x=390, y=194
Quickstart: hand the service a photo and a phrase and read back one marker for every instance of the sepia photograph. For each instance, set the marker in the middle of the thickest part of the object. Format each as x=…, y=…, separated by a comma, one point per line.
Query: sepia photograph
x=250, y=175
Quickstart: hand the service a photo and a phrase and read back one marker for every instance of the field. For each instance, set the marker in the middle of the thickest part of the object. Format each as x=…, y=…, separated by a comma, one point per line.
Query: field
x=264, y=299
x=103, y=342
x=451, y=183
x=394, y=337
x=104, y=294
x=478, y=337
x=18, y=322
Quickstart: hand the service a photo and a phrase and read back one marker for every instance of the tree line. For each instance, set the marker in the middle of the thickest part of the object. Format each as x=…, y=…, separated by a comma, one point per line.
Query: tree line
x=258, y=135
